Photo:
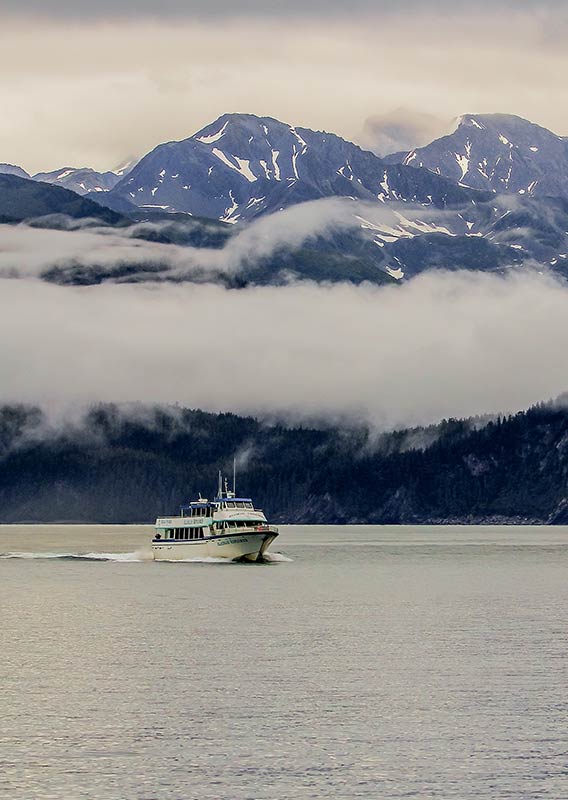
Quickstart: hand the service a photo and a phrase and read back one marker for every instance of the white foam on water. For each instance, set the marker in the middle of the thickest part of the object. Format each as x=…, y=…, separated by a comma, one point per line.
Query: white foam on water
x=130, y=558
x=276, y=557
x=137, y=556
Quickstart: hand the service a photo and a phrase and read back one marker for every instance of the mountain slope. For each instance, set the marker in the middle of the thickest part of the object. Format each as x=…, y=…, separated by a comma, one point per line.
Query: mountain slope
x=497, y=152
x=242, y=166
x=22, y=199
x=119, y=467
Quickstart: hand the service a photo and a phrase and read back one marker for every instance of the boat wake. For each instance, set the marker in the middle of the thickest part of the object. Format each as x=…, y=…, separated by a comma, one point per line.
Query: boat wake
x=119, y=557
x=276, y=557
x=131, y=558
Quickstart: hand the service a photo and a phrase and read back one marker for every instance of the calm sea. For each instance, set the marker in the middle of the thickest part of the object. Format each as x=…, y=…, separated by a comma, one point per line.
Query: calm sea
x=367, y=662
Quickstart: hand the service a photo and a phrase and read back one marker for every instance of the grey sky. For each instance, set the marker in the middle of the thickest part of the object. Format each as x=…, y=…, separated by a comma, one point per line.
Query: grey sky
x=90, y=84
x=260, y=8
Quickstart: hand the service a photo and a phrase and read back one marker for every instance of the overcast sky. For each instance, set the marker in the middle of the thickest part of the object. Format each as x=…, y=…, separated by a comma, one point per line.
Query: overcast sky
x=85, y=83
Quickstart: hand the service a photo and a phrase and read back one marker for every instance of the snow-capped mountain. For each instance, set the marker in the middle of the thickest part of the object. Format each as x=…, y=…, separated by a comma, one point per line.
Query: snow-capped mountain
x=242, y=166
x=80, y=180
x=498, y=152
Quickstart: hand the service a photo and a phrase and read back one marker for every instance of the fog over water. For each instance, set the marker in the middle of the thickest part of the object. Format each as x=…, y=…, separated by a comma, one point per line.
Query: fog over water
x=443, y=344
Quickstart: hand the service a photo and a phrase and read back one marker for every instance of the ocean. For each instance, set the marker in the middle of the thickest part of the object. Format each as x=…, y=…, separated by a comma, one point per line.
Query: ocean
x=362, y=662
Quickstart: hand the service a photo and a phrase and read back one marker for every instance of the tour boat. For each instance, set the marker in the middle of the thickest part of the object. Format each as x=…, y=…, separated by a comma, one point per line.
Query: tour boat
x=227, y=527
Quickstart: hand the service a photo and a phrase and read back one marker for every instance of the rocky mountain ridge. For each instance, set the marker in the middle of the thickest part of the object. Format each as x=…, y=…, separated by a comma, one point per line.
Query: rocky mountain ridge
x=242, y=166
x=497, y=152
x=395, y=220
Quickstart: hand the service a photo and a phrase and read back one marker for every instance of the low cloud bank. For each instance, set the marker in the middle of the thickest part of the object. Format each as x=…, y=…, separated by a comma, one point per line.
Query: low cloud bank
x=444, y=344
x=33, y=251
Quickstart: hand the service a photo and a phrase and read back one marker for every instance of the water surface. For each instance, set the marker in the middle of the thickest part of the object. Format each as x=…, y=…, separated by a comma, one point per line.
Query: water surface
x=378, y=662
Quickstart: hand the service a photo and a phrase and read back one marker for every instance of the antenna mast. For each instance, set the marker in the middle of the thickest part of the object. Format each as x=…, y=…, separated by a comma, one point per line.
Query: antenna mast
x=234, y=476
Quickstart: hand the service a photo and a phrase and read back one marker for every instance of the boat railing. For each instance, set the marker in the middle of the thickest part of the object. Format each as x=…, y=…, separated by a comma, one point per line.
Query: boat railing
x=263, y=526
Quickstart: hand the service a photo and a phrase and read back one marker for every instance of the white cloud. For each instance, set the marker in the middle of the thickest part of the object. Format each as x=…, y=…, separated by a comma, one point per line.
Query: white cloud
x=31, y=251
x=445, y=344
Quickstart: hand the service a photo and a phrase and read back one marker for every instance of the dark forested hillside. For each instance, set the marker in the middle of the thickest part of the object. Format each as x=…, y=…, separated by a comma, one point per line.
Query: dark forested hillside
x=125, y=465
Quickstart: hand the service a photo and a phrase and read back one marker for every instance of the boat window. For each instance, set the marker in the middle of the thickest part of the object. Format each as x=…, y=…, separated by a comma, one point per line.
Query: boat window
x=201, y=534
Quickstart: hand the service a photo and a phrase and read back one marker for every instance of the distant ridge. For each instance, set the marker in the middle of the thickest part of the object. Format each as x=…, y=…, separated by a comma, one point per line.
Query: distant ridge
x=13, y=169
x=23, y=199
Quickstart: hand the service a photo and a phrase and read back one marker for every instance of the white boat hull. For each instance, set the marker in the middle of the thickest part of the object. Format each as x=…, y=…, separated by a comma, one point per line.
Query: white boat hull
x=234, y=547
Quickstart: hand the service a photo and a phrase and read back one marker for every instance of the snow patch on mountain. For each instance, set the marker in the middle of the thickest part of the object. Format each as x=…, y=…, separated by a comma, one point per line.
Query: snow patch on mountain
x=498, y=152
x=214, y=137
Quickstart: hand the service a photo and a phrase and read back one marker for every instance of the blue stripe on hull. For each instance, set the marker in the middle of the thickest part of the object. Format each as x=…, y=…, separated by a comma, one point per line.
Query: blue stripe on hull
x=213, y=538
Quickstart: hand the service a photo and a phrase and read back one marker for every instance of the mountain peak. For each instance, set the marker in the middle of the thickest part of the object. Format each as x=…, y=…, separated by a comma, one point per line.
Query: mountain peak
x=504, y=123
x=498, y=152
x=243, y=165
